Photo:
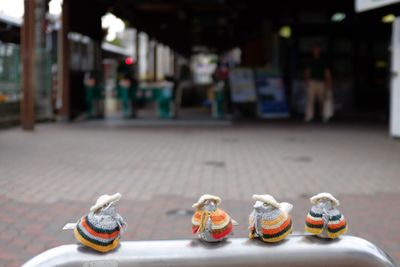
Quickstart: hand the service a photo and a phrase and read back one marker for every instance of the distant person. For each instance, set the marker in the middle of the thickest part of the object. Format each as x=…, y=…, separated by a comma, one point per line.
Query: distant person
x=90, y=94
x=183, y=81
x=318, y=82
x=134, y=100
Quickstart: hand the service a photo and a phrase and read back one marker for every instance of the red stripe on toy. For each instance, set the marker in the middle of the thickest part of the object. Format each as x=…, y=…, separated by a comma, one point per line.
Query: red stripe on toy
x=96, y=234
x=313, y=222
x=194, y=229
x=223, y=233
x=337, y=225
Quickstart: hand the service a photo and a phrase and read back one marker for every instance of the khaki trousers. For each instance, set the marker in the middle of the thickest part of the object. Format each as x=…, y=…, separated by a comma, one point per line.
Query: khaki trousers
x=316, y=91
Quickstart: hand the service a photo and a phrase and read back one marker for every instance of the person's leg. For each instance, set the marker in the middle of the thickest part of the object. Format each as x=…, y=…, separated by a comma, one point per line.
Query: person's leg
x=328, y=106
x=310, y=101
x=90, y=102
x=320, y=95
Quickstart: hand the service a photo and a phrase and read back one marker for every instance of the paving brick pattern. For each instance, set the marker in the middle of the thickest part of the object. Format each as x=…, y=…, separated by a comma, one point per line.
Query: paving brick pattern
x=53, y=175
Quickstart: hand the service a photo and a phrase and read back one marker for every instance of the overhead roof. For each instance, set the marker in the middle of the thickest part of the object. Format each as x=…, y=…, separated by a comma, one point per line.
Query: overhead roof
x=9, y=28
x=216, y=24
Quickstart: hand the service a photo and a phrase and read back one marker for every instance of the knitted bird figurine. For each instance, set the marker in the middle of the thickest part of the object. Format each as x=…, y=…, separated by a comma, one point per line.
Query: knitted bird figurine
x=209, y=222
x=324, y=219
x=102, y=228
x=270, y=220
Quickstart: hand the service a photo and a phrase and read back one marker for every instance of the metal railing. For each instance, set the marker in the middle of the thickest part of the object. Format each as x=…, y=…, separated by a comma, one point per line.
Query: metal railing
x=295, y=251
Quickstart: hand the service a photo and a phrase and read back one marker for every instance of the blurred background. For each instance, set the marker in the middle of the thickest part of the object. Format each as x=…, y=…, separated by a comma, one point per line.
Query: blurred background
x=164, y=101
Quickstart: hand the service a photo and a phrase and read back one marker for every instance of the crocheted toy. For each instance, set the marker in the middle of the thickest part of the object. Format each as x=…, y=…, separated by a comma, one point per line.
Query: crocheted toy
x=270, y=220
x=209, y=222
x=102, y=228
x=324, y=219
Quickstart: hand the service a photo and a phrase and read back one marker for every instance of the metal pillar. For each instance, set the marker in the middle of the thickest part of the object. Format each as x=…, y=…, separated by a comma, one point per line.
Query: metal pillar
x=137, y=46
x=63, y=62
x=28, y=63
x=149, y=60
x=155, y=58
x=172, y=62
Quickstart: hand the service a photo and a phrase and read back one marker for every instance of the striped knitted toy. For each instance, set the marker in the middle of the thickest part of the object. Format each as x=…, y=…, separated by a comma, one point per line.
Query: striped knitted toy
x=102, y=228
x=270, y=220
x=210, y=223
x=324, y=219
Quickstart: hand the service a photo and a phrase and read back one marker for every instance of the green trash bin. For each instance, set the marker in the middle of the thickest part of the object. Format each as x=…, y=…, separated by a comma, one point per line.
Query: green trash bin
x=161, y=94
x=163, y=98
x=218, y=101
x=124, y=94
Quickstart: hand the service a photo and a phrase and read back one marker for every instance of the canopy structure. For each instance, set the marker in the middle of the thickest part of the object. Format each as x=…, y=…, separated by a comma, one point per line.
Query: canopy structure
x=215, y=24
x=189, y=26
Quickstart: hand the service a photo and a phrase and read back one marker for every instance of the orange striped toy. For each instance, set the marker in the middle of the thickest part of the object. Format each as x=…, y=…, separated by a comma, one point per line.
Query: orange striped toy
x=209, y=222
x=270, y=220
x=324, y=219
x=102, y=228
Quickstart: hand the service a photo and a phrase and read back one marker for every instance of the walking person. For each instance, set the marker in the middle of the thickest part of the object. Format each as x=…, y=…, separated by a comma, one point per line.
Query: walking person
x=90, y=94
x=318, y=82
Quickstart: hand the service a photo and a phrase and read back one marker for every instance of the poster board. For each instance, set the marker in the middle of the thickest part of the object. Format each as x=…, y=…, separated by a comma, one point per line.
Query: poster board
x=364, y=5
x=272, y=101
x=395, y=81
x=242, y=85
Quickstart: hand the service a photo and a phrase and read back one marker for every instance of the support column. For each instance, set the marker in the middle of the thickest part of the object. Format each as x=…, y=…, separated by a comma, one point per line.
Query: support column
x=155, y=58
x=150, y=60
x=137, y=46
x=42, y=86
x=63, y=63
x=28, y=63
x=172, y=62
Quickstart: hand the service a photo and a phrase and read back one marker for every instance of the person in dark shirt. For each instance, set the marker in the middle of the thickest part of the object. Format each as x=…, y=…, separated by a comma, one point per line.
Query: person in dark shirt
x=318, y=81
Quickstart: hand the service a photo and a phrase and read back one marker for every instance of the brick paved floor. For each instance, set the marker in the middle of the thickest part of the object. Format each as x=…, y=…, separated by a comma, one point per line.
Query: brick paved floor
x=53, y=175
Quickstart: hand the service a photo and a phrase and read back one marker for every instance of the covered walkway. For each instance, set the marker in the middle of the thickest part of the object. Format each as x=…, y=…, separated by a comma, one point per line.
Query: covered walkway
x=275, y=36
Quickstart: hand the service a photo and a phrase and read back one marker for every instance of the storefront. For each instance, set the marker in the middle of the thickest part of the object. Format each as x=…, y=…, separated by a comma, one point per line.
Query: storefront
x=391, y=9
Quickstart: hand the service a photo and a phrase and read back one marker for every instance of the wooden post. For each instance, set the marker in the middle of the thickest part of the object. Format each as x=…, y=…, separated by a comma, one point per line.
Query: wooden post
x=28, y=63
x=42, y=89
x=64, y=62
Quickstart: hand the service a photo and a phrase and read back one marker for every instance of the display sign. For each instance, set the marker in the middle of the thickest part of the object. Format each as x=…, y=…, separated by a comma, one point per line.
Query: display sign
x=364, y=5
x=242, y=85
x=395, y=81
x=271, y=95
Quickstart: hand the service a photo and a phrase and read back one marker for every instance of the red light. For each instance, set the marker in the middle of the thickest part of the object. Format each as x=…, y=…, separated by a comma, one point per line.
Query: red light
x=128, y=61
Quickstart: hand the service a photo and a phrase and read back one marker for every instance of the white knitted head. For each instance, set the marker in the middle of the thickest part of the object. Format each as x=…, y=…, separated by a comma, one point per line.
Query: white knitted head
x=105, y=200
x=268, y=199
x=204, y=198
x=327, y=196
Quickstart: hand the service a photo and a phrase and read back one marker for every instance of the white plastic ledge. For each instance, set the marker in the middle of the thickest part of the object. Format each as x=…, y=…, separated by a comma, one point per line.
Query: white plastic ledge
x=295, y=251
